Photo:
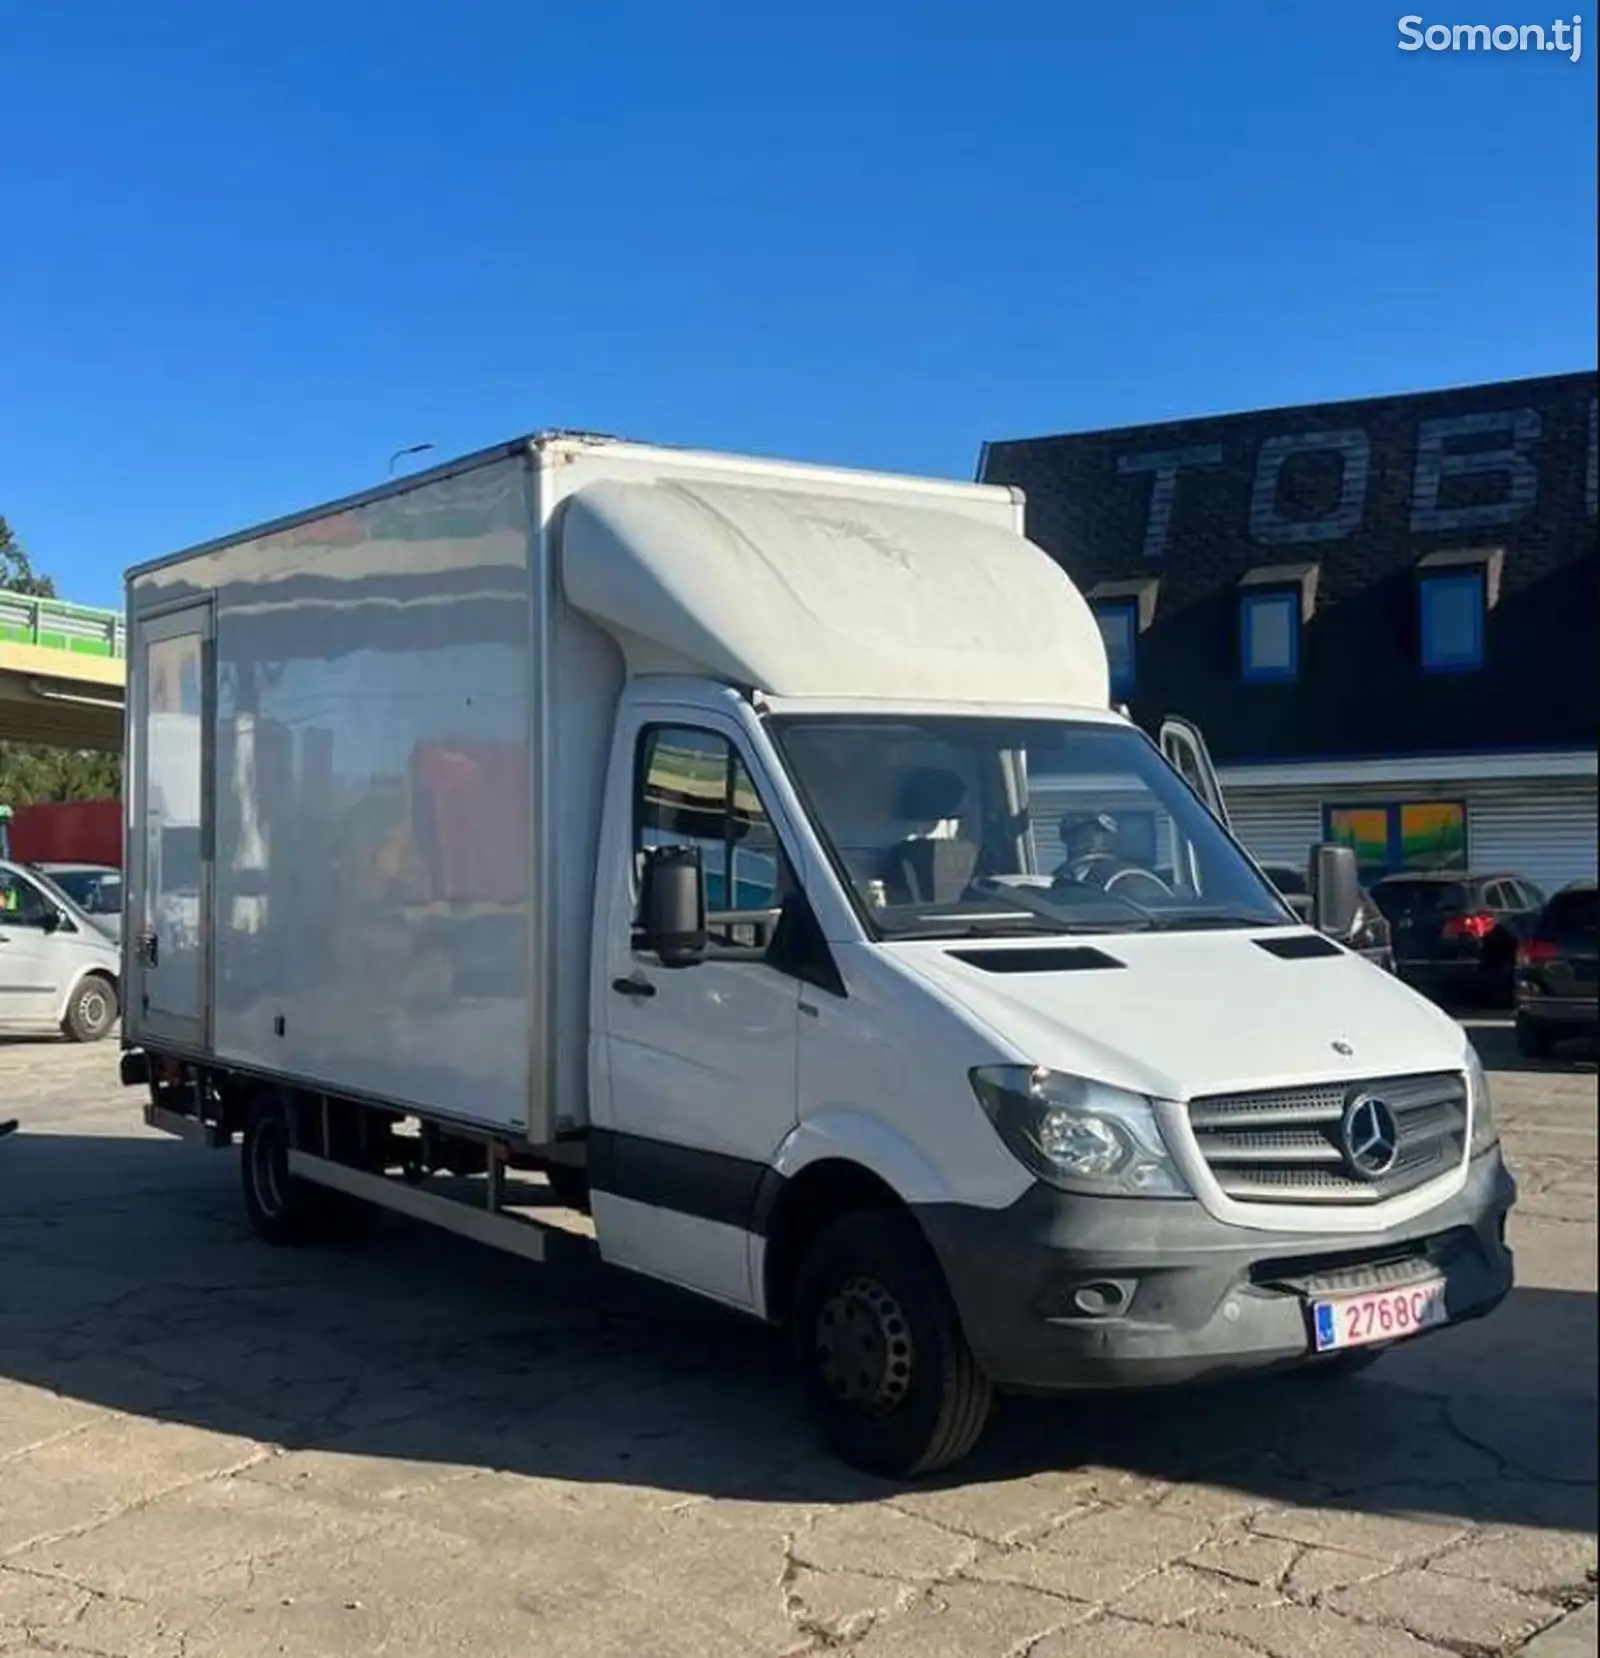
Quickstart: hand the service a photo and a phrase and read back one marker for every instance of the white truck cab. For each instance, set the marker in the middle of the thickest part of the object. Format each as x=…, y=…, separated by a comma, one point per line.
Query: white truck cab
x=850, y=959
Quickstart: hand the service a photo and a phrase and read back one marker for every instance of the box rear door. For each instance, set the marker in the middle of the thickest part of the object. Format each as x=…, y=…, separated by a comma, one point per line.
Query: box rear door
x=168, y=925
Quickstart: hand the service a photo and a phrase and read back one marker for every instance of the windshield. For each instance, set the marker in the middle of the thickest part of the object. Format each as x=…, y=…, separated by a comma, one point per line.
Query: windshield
x=958, y=826
x=94, y=891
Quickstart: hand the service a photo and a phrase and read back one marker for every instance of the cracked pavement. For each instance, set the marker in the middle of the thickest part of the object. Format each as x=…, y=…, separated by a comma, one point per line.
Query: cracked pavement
x=211, y=1447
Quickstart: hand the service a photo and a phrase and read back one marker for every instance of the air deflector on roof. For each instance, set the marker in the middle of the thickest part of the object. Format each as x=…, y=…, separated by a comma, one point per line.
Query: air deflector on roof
x=799, y=592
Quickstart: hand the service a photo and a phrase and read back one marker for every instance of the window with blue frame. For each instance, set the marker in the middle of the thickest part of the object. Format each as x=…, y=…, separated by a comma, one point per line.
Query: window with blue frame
x=1119, y=628
x=1451, y=620
x=1269, y=637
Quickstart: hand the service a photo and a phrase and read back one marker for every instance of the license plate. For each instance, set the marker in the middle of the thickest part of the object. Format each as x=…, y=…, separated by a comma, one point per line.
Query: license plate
x=1380, y=1315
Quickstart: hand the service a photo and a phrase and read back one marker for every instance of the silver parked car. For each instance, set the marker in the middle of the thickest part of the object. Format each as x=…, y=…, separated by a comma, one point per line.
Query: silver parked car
x=59, y=970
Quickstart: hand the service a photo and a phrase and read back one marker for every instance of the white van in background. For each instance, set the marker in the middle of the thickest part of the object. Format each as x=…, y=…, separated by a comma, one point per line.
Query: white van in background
x=59, y=971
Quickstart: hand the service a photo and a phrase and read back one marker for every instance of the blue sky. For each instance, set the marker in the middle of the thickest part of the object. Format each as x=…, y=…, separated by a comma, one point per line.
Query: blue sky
x=250, y=250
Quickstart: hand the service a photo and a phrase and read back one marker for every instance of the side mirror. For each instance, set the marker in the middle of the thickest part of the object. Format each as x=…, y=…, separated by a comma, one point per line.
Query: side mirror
x=1335, y=882
x=672, y=906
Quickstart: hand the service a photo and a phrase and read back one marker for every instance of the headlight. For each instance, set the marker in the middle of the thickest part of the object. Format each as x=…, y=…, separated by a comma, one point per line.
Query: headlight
x=1485, y=1136
x=1081, y=1136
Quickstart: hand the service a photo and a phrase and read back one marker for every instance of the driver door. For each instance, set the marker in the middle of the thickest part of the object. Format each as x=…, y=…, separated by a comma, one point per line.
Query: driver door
x=1185, y=751
x=701, y=1060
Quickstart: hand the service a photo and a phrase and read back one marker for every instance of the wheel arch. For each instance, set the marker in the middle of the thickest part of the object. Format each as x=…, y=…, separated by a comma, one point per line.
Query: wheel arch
x=90, y=970
x=795, y=1209
x=829, y=1164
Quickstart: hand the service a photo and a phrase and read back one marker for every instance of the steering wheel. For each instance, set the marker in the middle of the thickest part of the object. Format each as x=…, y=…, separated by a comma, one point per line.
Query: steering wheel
x=1139, y=874
x=1065, y=878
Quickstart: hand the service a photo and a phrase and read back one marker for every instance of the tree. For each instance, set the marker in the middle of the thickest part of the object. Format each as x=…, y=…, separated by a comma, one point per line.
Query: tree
x=17, y=574
x=29, y=772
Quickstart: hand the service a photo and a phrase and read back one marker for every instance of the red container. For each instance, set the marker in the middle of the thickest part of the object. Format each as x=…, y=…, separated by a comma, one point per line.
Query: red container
x=68, y=832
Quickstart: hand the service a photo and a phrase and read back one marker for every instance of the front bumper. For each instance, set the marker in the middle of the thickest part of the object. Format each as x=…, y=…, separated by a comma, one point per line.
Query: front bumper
x=1178, y=1296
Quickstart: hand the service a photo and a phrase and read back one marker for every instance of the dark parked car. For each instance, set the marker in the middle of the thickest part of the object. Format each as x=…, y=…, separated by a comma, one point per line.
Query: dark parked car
x=1369, y=936
x=1455, y=936
x=1557, y=991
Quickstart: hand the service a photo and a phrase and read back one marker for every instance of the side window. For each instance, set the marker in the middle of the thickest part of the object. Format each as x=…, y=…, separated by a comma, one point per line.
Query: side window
x=693, y=789
x=1533, y=898
x=21, y=902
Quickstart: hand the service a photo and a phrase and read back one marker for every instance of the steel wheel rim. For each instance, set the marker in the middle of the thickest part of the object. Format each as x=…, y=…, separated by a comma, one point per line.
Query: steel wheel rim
x=864, y=1351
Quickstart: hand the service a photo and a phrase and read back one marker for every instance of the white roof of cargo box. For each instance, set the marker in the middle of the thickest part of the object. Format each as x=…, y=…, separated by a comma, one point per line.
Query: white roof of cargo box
x=799, y=591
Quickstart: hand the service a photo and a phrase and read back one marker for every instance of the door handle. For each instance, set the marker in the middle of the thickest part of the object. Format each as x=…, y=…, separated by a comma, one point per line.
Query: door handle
x=638, y=989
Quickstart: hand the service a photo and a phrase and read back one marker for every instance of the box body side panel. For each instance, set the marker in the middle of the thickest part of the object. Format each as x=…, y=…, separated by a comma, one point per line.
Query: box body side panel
x=373, y=917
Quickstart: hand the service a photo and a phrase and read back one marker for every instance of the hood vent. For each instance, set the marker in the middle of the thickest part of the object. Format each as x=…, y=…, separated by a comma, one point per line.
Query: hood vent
x=1302, y=947
x=1075, y=958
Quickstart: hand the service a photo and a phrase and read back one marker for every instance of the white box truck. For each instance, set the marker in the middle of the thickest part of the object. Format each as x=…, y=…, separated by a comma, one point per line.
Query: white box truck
x=738, y=869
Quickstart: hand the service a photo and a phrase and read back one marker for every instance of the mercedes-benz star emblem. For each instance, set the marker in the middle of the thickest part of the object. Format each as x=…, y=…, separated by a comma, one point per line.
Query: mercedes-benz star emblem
x=1370, y=1137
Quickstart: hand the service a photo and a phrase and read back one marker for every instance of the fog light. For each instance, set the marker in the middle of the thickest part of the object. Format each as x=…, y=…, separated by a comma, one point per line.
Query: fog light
x=1100, y=1300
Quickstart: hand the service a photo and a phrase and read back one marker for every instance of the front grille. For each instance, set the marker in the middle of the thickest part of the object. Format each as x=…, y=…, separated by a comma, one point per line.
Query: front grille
x=1285, y=1146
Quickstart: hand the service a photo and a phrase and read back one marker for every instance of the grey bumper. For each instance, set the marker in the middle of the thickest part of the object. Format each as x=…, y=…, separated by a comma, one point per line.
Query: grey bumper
x=1065, y=1294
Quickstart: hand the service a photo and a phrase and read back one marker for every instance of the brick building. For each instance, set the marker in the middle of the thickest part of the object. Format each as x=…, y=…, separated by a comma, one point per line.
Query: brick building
x=1382, y=614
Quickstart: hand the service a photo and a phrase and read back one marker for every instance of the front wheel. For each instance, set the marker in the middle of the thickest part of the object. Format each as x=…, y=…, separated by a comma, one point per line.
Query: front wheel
x=92, y=1010
x=887, y=1370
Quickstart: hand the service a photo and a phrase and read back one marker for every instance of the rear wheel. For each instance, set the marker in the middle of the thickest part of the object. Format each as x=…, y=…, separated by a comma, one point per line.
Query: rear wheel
x=282, y=1208
x=92, y=1010
x=887, y=1371
x=1534, y=1040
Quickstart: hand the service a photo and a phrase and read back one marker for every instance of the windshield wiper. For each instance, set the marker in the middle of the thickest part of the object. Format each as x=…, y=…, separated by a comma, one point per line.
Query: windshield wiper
x=1185, y=921
x=1026, y=926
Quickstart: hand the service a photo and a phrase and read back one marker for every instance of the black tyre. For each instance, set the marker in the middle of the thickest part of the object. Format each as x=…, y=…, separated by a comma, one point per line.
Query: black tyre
x=887, y=1371
x=282, y=1209
x=92, y=1010
x=1534, y=1040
